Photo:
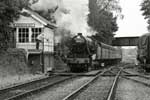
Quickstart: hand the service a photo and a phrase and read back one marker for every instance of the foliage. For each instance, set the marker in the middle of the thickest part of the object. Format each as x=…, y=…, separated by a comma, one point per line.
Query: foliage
x=9, y=11
x=101, y=18
x=108, y=5
x=145, y=7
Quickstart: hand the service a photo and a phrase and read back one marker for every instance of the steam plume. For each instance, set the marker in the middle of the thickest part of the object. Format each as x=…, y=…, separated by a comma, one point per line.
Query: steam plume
x=70, y=15
x=76, y=20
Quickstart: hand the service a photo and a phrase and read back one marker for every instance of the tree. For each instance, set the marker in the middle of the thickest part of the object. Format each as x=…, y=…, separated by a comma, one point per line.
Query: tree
x=145, y=7
x=9, y=11
x=102, y=19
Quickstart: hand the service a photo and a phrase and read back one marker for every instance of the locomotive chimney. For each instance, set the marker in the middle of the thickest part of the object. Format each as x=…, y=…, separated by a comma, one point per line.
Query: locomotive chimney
x=80, y=34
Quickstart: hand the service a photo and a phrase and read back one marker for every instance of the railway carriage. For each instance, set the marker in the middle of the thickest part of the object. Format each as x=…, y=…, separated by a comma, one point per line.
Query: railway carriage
x=107, y=54
x=86, y=54
x=143, y=53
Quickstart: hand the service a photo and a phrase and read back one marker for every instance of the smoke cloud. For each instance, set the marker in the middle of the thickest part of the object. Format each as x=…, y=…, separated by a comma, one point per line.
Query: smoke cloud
x=76, y=20
x=54, y=5
x=71, y=14
x=45, y=4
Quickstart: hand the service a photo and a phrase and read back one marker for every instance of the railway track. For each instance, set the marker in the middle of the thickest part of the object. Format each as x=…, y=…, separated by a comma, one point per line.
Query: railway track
x=89, y=89
x=111, y=92
x=107, y=85
x=139, y=75
x=108, y=92
x=133, y=88
x=138, y=78
x=20, y=91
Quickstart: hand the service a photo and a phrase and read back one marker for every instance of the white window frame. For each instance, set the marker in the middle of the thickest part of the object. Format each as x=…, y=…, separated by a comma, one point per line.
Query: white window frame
x=35, y=32
x=23, y=35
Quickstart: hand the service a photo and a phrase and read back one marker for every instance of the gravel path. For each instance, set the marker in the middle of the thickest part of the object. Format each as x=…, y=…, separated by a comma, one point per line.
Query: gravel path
x=129, y=90
x=98, y=90
x=58, y=92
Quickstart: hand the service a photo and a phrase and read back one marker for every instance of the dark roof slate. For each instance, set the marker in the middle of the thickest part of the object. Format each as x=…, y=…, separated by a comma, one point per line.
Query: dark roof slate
x=49, y=24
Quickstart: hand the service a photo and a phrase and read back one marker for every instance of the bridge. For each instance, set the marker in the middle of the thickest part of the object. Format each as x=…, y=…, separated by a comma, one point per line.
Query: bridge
x=125, y=41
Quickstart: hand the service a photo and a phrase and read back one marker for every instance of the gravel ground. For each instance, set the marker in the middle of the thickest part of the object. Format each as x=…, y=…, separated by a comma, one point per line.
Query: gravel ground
x=58, y=92
x=129, y=90
x=8, y=81
x=98, y=90
x=133, y=70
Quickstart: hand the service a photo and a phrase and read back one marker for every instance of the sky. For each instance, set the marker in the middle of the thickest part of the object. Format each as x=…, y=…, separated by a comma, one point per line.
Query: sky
x=133, y=23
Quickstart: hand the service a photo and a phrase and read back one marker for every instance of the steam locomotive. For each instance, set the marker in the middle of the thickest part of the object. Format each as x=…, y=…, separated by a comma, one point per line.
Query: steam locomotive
x=143, y=53
x=86, y=54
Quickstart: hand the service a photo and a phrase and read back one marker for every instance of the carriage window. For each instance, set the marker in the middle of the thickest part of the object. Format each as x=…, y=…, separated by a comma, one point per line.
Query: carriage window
x=35, y=33
x=23, y=34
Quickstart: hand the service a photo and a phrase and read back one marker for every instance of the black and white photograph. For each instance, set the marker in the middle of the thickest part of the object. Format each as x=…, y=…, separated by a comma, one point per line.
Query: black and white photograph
x=74, y=49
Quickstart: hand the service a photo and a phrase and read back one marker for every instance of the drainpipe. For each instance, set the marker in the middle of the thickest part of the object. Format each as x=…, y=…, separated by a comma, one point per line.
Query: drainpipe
x=43, y=69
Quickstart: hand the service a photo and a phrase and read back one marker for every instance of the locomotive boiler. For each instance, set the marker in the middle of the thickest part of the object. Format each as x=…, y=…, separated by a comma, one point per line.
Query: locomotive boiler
x=86, y=54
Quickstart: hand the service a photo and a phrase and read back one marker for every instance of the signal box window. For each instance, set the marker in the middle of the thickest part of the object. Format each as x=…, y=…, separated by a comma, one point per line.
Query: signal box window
x=35, y=33
x=23, y=34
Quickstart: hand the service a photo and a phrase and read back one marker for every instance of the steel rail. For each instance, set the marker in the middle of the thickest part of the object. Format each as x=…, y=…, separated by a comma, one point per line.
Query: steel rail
x=79, y=74
x=143, y=83
x=25, y=83
x=136, y=74
x=111, y=94
x=72, y=95
x=128, y=74
x=29, y=92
